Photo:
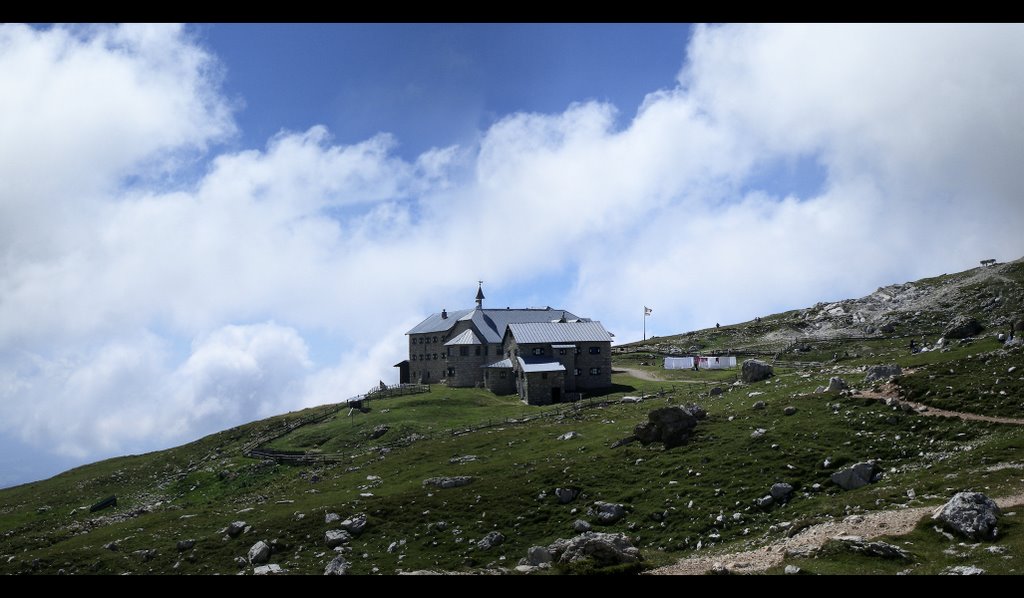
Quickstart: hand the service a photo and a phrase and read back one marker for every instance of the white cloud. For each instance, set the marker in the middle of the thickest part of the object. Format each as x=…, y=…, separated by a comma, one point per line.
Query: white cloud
x=132, y=316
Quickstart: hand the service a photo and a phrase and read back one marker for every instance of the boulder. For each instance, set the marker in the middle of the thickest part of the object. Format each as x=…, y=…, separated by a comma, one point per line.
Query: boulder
x=854, y=477
x=669, y=425
x=337, y=566
x=608, y=513
x=765, y=501
x=337, y=537
x=603, y=549
x=272, y=569
x=579, y=526
x=791, y=410
x=876, y=549
x=259, y=553
x=781, y=491
x=184, y=545
x=538, y=555
x=716, y=391
x=569, y=436
x=963, y=570
x=888, y=328
x=235, y=528
x=792, y=570
x=448, y=482
x=492, y=539
x=331, y=517
x=379, y=431
x=836, y=384
x=755, y=370
x=962, y=327
x=882, y=372
x=758, y=433
x=758, y=405
x=566, y=495
x=354, y=524
x=970, y=514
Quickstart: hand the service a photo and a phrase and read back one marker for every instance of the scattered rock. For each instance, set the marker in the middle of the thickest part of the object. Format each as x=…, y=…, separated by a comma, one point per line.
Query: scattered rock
x=603, y=549
x=569, y=435
x=877, y=549
x=492, y=539
x=781, y=491
x=448, y=482
x=887, y=328
x=836, y=384
x=184, y=545
x=463, y=459
x=259, y=553
x=755, y=370
x=962, y=327
x=716, y=391
x=970, y=514
x=963, y=570
x=331, y=517
x=758, y=405
x=765, y=501
x=580, y=526
x=111, y=546
x=379, y=431
x=354, y=524
x=631, y=400
x=272, y=569
x=758, y=433
x=566, y=495
x=337, y=566
x=538, y=555
x=792, y=570
x=337, y=537
x=608, y=513
x=791, y=410
x=854, y=477
x=882, y=372
x=669, y=425
x=235, y=528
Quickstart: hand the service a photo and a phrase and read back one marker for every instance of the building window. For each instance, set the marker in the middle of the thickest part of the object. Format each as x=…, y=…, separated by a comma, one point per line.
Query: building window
x=561, y=351
x=538, y=351
x=421, y=356
x=478, y=349
x=435, y=356
x=443, y=356
x=463, y=351
x=577, y=350
x=576, y=372
x=451, y=372
x=412, y=357
x=595, y=371
x=435, y=339
x=595, y=350
x=503, y=374
x=485, y=349
x=543, y=375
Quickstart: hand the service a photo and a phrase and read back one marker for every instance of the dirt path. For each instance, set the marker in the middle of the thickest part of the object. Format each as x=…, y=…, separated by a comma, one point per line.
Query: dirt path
x=927, y=410
x=882, y=523
x=641, y=374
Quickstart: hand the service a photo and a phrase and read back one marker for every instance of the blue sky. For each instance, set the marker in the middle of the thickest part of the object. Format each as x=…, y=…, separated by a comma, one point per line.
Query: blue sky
x=203, y=225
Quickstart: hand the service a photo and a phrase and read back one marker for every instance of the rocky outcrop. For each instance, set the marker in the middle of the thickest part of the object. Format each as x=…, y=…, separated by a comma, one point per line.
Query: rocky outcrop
x=876, y=549
x=669, y=425
x=579, y=526
x=378, y=431
x=492, y=539
x=855, y=477
x=836, y=384
x=184, y=545
x=566, y=495
x=569, y=435
x=538, y=555
x=337, y=537
x=235, y=528
x=962, y=327
x=259, y=553
x=970, y=514
x=354, y=524
x=272, y=569
x=755, y=370
x=448, y=482
x=603, y=549
x=781, y=491
x=607, y=513
x=882, y=372
x=337, y=566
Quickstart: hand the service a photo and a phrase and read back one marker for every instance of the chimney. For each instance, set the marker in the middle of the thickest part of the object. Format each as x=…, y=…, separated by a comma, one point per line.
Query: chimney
x=444, y=314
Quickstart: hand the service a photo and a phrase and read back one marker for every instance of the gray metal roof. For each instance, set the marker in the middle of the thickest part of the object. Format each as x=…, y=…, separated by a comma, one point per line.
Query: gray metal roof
x=552, y=332
x=504, y=363
x=466, y=338
x=539, y=364
x=489, y=323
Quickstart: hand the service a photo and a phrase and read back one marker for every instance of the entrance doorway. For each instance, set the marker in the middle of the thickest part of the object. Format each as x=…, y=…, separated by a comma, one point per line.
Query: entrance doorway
x=556, y=395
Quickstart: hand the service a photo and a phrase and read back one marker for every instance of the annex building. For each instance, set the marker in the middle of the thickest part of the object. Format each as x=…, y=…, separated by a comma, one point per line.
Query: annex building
x=545, y=355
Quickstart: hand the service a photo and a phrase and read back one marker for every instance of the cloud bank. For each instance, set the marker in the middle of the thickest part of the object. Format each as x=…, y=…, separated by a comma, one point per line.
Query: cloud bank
x=155, y=289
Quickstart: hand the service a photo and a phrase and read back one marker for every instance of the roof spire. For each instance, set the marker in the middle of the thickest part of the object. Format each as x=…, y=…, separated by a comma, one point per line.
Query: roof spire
x=480, y=295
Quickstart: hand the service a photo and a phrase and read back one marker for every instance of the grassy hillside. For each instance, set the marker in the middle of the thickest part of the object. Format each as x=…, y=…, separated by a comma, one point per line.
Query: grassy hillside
x=694, y=499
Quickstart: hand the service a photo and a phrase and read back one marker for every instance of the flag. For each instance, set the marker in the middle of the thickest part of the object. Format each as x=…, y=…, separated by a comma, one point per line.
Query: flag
x=647, y=311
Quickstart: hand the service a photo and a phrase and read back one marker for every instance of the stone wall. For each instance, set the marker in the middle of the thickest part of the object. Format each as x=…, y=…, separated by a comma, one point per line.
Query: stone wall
x=498, y=384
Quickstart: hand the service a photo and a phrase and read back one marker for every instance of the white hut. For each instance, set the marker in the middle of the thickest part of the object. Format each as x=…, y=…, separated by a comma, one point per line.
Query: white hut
x=722, y=362
x=678, y=363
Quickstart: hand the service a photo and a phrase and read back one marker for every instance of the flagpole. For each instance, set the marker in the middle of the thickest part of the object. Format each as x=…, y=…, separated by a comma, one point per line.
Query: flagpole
x=645, y=323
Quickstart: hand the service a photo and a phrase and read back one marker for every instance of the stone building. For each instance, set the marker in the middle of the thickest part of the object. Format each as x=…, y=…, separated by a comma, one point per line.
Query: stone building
x=545, y=354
